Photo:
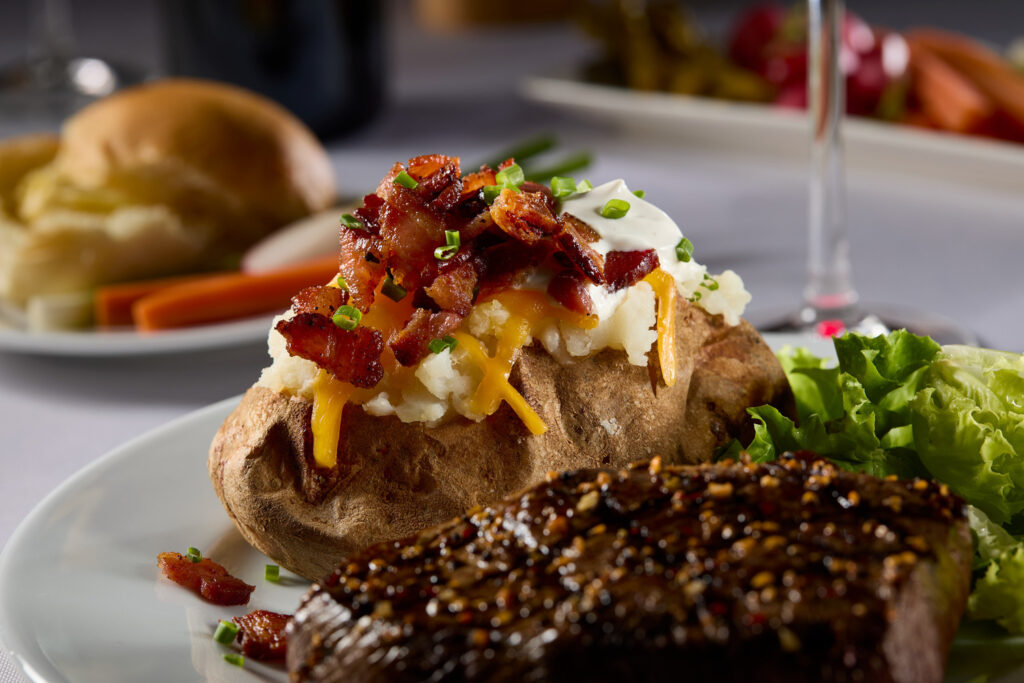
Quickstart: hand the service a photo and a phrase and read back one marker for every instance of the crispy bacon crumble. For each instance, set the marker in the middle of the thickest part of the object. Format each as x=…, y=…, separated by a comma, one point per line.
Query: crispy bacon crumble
x=400, y=228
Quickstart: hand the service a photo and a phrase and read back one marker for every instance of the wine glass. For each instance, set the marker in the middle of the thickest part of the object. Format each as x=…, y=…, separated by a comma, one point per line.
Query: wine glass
x=51, y=78
x=831, y=304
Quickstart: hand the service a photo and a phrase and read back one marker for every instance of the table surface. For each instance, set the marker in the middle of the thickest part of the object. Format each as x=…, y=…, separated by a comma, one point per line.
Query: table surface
x=915, y=243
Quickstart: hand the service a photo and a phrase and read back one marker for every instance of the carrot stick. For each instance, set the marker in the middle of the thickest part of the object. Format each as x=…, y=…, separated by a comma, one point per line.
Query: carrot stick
x=948, y=99
x=225, y=297
x=112, y=304
x=992, y=75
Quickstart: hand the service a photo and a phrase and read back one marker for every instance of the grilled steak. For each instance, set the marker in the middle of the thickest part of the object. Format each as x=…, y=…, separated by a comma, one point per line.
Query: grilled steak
x=787, y=571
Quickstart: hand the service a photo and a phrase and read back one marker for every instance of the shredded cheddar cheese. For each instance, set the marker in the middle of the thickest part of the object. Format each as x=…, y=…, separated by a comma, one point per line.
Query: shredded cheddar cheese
x=664, y=287
x=329, y=400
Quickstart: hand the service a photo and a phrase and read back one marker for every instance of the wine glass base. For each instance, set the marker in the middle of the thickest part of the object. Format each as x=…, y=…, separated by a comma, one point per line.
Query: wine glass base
x=60, y=85
x=871, y=320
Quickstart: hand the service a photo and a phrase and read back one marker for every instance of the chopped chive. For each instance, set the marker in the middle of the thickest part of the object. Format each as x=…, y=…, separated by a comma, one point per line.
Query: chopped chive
x=710, y=283
x=569, y=164
x=347, y=317
x=341, y=283
x=452, y=243
x=439, y=345
x=491, y=193
x=194, y=554
x=406, y=180
x=584, y=186
x=640, y=193
x=272, y=573
x=350, y=221
x=511, y=176
x=615, y=208
x=684, y=250
x=392, y=289
x=695, y=297
x=562, y=187
x=226, y=632
x=234, y=658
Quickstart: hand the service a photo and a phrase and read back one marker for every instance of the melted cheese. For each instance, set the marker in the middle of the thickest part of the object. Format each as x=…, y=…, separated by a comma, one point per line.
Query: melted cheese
x=664, y=287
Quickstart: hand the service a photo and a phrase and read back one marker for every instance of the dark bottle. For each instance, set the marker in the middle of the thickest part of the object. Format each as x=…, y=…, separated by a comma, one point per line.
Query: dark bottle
x=322, y=59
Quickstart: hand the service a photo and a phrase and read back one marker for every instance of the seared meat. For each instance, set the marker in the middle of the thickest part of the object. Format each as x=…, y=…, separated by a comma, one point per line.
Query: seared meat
x=786, y=571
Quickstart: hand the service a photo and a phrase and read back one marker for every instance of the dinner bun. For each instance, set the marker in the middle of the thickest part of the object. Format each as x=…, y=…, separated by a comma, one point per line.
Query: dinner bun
x=201, y=148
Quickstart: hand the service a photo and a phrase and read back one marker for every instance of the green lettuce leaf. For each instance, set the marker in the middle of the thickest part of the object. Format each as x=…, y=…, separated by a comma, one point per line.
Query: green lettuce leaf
x=999, y=592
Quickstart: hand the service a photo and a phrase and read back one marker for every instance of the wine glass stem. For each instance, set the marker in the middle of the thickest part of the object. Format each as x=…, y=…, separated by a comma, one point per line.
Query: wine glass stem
x=829, y=293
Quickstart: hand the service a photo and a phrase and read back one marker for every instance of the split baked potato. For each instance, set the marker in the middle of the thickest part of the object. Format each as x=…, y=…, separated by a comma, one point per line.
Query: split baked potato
x=394, y=478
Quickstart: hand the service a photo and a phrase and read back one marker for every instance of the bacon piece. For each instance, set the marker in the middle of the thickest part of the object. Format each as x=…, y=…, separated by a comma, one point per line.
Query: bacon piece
x=410, y=345
x=262, y=634
x=369, y=213
x=537, y=188
x=411, y=232
x=206, y=578
x=574, y=241
x=569, y=288
x=525, y=216
x=453, y=288
x=626, y=268
x=360, y=264
x=319, y=299
x=474, y=182
x=506, y=263
x=427, y=165
x=350, y=355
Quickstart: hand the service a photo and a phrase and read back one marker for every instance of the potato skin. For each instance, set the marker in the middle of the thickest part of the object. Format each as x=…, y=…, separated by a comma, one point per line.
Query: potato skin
x=396, y=478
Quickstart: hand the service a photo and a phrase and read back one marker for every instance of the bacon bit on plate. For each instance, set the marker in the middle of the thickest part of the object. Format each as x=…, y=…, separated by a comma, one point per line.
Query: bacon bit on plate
x=206, y=578
x=351, y=355
x=262, y=634
x=625, y=268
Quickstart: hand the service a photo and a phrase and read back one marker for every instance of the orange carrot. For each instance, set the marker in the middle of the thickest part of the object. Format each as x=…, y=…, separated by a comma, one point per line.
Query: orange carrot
x=992, y=74
x=112, y=304
x=225, y=297
x=948, y=99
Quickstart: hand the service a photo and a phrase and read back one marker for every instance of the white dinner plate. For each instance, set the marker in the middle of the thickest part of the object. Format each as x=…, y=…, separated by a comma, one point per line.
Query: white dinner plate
x=871, y=146
x=82, y=600
x=128, y=342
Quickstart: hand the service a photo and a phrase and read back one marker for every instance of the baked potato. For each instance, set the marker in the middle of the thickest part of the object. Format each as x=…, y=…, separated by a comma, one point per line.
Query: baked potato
x=565, y=406
x=394, y=478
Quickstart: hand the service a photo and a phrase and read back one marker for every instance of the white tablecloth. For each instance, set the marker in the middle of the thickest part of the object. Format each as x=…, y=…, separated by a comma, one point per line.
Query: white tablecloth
x=920, y=244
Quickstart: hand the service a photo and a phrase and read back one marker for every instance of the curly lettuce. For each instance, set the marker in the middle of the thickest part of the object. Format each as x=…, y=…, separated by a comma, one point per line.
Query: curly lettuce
x=901, y=404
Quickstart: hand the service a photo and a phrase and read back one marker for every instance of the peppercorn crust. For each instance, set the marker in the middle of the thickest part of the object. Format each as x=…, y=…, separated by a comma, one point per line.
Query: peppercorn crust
x=787, y=571
x=395, y=478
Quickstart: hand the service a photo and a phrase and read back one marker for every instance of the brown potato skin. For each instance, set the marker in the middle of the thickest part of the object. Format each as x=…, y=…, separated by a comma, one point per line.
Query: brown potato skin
x=396, y=478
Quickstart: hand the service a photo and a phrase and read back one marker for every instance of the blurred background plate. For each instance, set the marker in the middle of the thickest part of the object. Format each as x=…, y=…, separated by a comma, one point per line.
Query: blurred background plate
x=782, y=133
x=131, y=343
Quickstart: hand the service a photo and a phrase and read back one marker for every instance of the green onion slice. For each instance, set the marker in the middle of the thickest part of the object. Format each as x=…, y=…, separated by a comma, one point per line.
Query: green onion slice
x=584, y=186
x=272, y=573
x=406, y=180
x=234, y=658
x=439, y=345
x=347, y=317
x=695, y=297
x=640, y=193
x=194, y=554
x=225, y=633
x=684, y=250
x=491, y=193
x=615, y=208
x=562, y=187
x=341, y=283
x=511, y=176
x=710, y=283
x=350, y=221
x=452, y=243
x=392, y=289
